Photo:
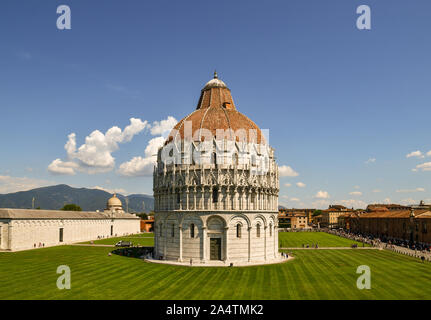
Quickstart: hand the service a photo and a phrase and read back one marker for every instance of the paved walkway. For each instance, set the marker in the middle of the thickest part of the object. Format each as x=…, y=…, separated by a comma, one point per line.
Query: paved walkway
x=329, y=248
x=92, y=245
x=213, y=263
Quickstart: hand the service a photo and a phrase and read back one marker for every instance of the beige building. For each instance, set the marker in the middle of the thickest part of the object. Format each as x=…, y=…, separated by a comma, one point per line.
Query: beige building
x=22, y=229
x=330, y=216
x=219, y=203
x=299, y=221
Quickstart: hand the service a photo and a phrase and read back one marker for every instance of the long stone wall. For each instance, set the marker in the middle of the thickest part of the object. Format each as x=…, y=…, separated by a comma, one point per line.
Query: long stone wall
x=25, y=234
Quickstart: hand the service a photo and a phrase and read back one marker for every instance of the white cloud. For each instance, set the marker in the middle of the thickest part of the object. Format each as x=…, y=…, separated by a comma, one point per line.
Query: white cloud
x=357, y=187
x=95, y=155
x=370, y=160
x=300, y=185
x=377, y=190
x=387, y=200
x=142, y=166
x=117, y=190
x=287, y=171
x=410, y=190
x=408, y=201
x=295, y=199
x=163, y=127
x=424, y=166
x=415, y=154
x=287, y=184
x=10, y=184
x=60, y=167
x=322, y=195
x=320, y=204
x=355, y=193
x=429, y=153
x=353, y=203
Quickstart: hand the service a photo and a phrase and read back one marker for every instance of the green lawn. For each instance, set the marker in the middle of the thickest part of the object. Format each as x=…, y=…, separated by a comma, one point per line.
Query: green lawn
x=313, y=274
x=286, y=239
x=297, y=239
x=137, y=239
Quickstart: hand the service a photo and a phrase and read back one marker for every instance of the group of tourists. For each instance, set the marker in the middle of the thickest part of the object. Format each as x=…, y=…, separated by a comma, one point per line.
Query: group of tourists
x=313, y=245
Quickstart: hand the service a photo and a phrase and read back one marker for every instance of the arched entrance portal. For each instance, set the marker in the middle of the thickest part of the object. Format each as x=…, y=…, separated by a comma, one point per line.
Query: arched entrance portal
x=216, y=236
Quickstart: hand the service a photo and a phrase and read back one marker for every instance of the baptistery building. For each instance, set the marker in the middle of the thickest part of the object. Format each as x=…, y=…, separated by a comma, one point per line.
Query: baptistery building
x=216, y=187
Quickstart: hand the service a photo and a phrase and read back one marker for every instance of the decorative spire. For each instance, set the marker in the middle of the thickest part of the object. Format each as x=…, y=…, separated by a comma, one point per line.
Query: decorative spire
x=215, y=74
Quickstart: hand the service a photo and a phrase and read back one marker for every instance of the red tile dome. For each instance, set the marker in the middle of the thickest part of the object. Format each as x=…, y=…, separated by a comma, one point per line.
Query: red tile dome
x=216, y=110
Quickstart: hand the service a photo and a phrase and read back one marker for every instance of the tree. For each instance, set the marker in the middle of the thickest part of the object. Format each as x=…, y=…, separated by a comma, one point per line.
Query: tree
x=317, y=212
x=142, y=215
x=71, y=207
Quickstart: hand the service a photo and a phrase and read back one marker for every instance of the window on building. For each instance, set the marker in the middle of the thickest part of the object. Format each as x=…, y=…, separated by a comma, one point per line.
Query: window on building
x=235, y=158
x=161, y=230
x=215, y=195
x=61, y=235
x=238, y=230
x=178, y=197
x=258, y=230
x=112, y=230
x=270, y=229
x=192, y=230
x=253, y=160
x=173, y=230
x=214, y=158
x=424, y=228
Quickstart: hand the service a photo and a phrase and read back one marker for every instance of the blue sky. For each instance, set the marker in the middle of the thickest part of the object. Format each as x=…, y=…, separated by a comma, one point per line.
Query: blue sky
x=332, y=96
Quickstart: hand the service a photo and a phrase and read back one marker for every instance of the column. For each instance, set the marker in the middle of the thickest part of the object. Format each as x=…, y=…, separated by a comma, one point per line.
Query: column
x=194, y=197
x=226, y=244
x=210, y=205
x=174, y=199
x=249, y=243
x=10, y=236
x=181, y=243
x=165, y=240
x=204, y=241
x=264, y=233
x=187, y=198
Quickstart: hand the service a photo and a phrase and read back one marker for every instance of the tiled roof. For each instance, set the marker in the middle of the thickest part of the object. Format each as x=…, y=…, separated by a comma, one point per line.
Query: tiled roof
x=392, y=214
x=216, y=110
x=6, y=213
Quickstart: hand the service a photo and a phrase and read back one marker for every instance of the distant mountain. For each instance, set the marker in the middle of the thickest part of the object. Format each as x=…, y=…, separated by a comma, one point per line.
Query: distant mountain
x=55, y=197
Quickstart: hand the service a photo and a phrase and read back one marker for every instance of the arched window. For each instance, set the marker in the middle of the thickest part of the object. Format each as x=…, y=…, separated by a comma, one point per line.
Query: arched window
x=270, y=229
x=235, y=158
x=173, y=230
x=253, y=160
x=258, y=230
x=161, y=229
x=192, y=230
x=178, y=197
x=214, y=158
x=215, y=195
x=238, y=230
